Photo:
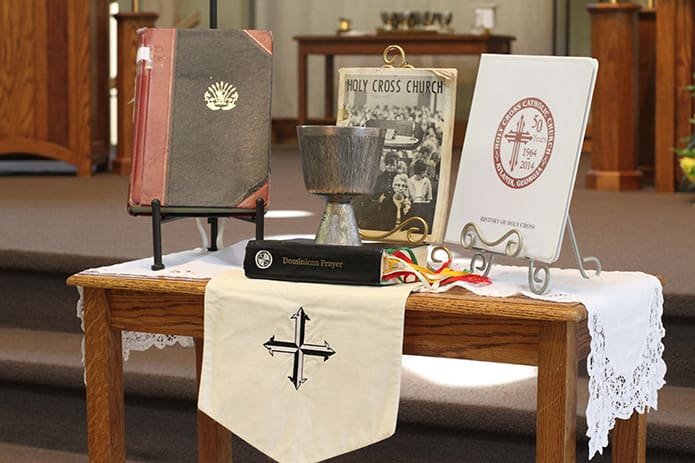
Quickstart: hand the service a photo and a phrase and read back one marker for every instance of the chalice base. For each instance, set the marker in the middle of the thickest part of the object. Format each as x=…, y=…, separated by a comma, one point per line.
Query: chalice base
x=338, y=223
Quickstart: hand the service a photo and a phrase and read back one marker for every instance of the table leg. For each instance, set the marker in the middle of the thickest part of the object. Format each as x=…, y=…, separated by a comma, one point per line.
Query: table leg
x=328, y=79
x=302, y=86
x=214, y=440
x=629, y=439
x=557, y=393
x=104, y=388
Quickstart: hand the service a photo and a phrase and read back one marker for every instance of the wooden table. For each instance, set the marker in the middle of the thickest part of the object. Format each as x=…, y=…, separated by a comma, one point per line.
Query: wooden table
x=413, y=44
x=459, y=324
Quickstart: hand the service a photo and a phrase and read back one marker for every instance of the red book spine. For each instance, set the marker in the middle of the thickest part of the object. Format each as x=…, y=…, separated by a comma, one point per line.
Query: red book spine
x=142, y=84
x=151, y=134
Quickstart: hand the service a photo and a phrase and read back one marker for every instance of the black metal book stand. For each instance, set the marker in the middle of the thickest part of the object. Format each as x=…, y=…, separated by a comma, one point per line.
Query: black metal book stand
x=158, y=218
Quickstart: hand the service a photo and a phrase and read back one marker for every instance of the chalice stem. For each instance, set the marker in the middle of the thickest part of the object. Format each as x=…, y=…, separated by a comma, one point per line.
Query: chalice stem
x=338, y=223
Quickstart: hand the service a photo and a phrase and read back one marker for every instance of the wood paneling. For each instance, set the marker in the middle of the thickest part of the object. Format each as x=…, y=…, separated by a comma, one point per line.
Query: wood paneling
x=646, y=78
x=54, y=80
x=100, y=104
x=614, y=112
x=674, y=70
x=56, y=86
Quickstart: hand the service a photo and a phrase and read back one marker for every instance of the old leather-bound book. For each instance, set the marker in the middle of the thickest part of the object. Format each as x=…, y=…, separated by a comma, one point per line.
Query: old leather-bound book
x=201, y=136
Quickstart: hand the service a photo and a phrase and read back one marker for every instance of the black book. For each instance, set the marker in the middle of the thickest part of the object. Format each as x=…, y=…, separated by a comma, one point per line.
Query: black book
x=304, y=260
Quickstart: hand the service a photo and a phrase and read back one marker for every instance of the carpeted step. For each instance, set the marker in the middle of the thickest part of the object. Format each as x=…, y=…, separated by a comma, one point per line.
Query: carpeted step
x=33, y=292
x=51, y=358
x=455, y=395
x=24, y=454
x=502, y=398
x=40, y=422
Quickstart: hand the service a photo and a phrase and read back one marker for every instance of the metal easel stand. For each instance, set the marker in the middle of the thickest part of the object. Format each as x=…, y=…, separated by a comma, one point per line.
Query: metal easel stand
x=538, y=272
x=159, y=217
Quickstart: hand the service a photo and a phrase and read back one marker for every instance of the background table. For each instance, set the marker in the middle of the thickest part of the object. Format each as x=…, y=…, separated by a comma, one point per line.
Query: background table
x=457, y=324
x=413, y=44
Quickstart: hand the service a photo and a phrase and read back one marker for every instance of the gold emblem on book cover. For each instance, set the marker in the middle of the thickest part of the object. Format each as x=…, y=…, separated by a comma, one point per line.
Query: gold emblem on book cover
x=221, y=96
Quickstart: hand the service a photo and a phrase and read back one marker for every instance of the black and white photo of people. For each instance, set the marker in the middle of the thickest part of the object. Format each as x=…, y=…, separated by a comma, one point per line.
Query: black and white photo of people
x=408, y=180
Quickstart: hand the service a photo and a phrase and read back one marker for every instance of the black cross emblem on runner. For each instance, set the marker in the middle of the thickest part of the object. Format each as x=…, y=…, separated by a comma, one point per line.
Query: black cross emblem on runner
x=298, y=348
x=518, y=137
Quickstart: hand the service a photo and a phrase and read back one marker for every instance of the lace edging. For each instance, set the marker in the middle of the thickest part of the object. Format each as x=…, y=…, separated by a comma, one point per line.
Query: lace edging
x=137, y=341
x=133, y=340
x=613, y=396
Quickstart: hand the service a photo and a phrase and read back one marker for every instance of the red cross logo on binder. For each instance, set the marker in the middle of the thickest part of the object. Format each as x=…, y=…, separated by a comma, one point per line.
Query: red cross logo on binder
x=518, y=138
x=524, y=142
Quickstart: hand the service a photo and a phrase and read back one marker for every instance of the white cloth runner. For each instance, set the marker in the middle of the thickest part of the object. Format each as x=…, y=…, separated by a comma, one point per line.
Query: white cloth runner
x=625, y=363
x=303, y=372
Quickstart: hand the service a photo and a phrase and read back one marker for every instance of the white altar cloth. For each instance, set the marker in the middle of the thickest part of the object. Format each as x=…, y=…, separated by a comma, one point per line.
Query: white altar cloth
x=625, y=363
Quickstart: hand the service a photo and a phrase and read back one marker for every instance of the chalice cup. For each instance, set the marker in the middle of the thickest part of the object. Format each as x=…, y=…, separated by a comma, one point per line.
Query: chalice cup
x=339, y=163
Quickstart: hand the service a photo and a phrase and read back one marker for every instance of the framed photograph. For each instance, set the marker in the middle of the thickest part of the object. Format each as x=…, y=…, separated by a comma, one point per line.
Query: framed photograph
x=416, y=107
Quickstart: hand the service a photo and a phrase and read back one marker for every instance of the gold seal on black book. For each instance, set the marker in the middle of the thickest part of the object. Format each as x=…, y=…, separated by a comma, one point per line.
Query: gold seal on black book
x=304, y=260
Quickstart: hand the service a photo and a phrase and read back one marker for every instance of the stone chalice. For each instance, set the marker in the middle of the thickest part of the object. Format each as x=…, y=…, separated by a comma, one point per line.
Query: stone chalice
x=339, y=163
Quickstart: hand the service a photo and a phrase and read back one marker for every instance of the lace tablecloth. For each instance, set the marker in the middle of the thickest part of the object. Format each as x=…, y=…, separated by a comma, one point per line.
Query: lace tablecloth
x=625, y=363
x=192, y=264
